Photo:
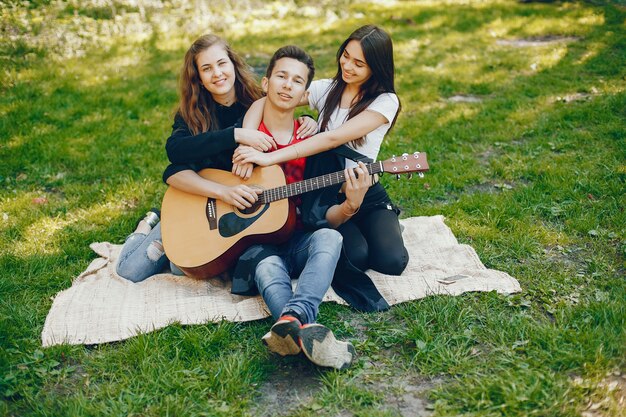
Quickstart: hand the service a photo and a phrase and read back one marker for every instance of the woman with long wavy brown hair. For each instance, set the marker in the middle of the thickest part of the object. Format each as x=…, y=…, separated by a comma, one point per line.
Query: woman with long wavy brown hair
x=216, y=88
x=197, y=105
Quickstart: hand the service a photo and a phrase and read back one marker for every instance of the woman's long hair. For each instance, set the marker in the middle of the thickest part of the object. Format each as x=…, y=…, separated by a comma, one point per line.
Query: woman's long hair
x=378, y=51
x=197, y=106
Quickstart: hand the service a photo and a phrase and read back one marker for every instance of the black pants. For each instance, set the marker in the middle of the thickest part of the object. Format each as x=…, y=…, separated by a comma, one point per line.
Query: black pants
x=373, y=239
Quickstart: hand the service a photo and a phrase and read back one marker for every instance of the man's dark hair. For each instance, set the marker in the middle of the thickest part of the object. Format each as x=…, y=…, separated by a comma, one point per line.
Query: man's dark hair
x=293, y=52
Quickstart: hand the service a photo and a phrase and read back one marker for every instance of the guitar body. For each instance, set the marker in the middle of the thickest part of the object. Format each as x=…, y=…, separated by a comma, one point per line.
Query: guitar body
x=204, y=236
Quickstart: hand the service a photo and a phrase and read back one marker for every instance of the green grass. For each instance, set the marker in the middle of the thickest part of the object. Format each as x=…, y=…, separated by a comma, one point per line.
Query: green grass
x=532, y=176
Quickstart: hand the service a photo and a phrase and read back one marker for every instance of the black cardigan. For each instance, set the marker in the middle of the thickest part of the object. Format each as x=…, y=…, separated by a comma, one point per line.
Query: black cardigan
x=212, y=149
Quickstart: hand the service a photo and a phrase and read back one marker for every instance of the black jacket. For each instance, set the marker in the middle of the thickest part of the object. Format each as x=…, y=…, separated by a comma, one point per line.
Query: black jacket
x=212, y=149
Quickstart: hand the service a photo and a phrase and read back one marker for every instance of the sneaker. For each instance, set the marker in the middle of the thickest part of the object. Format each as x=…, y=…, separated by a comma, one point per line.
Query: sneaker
x=320, y=346
x=284, y=336
x=152, y=217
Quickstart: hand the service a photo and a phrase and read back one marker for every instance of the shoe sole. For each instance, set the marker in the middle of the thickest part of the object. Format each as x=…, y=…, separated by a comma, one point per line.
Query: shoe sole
x=283, y=338
x=323, y=349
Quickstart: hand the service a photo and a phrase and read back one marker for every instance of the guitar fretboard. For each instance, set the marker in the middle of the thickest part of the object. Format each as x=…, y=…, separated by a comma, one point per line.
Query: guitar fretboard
x=312, y=184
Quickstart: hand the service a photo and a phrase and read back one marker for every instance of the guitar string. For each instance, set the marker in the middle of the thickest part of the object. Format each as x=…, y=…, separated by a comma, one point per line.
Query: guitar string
x=289, y=190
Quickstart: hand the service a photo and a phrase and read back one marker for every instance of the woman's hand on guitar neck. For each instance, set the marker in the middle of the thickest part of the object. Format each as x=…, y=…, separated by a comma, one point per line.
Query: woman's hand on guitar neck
x=240, y=196
x=356, y=187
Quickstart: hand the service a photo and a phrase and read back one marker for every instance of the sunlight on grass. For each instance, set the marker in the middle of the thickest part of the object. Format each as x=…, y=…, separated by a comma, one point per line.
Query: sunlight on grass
x=547, y=235
x=469, y=227
x=497, y=28
x=457, y=112
x=531, y=111
x=285, y=26
x=8, y=108
x=537, y=26
x=43, y=236
x=16, y=141
x=174, y=43
x=613, y=87
x=424, y=108
x=43, y=129
x=91, y=118
x=123, y=65
x=548, y=59
x=520, y=108
x=465, y=61
x=438, y=3
x=39, y=238
x=593, y=48
x=435, y=23
x=585, y=94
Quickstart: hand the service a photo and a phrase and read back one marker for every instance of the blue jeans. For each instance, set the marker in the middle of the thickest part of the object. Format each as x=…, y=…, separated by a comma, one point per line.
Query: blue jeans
x=143, y=256
x=312, y=258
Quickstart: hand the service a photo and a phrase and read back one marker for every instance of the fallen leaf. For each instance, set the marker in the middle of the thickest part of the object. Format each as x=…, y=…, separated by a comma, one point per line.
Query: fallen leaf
x=40, y=200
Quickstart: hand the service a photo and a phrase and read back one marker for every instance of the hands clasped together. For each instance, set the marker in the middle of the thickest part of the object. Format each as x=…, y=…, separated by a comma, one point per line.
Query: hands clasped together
x=253, y=145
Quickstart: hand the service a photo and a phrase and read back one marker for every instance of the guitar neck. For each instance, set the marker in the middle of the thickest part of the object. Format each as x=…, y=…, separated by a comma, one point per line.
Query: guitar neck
x=312, y=184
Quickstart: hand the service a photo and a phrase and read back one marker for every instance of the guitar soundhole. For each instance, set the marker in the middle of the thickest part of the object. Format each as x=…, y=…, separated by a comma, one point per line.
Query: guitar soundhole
x=249, y=210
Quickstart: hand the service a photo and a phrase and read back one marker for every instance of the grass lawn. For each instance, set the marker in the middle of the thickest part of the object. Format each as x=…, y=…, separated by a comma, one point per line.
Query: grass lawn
x=521, y=108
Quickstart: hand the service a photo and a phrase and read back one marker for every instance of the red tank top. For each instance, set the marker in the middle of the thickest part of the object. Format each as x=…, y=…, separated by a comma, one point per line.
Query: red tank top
x=294, y=169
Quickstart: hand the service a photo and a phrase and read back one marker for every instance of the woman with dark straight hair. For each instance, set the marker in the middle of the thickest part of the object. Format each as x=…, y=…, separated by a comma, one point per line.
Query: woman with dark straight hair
x=357, y=107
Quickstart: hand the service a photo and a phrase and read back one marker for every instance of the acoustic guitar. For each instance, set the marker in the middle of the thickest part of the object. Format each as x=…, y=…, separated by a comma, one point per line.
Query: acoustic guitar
x=205, y=236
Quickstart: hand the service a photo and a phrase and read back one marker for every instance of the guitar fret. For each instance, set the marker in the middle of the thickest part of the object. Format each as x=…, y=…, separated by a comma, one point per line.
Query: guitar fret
x=311, y=184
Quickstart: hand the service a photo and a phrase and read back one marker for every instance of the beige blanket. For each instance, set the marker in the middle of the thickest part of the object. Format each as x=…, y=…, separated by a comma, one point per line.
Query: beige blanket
x=102, y=307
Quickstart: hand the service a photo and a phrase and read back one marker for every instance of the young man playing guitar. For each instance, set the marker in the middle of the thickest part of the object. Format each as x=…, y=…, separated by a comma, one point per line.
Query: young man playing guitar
x=309, y=256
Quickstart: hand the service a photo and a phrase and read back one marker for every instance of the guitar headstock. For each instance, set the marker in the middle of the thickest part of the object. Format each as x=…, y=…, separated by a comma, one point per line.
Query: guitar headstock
x=406, y=164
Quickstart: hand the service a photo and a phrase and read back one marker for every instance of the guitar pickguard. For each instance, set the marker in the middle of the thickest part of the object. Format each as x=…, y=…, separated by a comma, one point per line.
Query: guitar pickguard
x=230, y=224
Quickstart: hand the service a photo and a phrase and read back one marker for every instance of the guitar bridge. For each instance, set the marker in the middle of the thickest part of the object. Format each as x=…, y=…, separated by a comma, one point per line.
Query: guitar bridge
x=211, y=213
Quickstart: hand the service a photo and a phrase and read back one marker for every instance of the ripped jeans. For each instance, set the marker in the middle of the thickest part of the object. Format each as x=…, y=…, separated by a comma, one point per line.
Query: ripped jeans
x=143, y=256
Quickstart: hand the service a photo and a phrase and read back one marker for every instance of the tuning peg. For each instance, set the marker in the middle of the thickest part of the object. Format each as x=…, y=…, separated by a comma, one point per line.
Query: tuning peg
x=409, y=175
x=397, y=176
x=393, y=158
x=405, y=156
x=421, y=175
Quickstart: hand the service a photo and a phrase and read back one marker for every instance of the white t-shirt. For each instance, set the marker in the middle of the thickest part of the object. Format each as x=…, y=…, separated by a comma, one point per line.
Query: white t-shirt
x=386, y=104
